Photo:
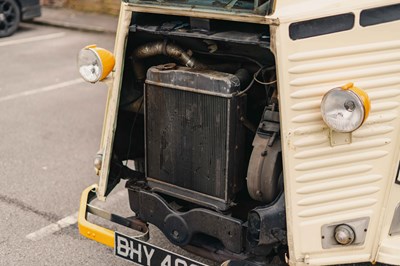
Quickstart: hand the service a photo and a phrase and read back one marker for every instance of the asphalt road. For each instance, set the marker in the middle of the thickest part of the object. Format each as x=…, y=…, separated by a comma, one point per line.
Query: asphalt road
x=50, y=126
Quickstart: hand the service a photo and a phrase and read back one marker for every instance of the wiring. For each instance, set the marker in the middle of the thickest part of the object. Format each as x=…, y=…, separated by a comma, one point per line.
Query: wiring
x=131, y=131
x=257, y=80
x=264, y=83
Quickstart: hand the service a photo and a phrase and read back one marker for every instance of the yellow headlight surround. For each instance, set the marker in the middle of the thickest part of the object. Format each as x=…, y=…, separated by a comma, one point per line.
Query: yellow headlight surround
x=345, y=109
x=95, y=63
x=363, y=97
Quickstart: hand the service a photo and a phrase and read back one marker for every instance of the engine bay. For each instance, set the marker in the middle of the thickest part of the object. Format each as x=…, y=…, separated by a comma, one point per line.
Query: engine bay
x=199, y=120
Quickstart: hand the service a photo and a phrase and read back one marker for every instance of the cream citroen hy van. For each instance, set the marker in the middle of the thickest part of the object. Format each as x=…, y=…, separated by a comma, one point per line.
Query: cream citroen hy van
x=250, y=132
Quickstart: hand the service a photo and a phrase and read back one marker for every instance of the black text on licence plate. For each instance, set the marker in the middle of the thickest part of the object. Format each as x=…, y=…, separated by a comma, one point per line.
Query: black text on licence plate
x=144, y=253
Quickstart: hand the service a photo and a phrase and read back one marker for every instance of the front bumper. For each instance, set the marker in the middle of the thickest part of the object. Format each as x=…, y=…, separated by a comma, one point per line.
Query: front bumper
x=100, y=234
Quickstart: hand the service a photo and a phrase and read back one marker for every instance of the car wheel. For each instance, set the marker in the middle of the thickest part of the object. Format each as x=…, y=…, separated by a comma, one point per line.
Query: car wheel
x=10, y=17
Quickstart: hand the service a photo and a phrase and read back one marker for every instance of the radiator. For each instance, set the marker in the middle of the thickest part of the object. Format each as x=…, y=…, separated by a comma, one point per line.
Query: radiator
x=194, y=138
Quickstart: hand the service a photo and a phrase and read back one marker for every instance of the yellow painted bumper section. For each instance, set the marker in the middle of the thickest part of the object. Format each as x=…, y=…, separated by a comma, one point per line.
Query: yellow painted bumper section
x=89, y=230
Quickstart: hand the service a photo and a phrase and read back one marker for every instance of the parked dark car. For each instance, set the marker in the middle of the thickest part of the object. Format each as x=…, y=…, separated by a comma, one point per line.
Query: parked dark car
x=14, y=11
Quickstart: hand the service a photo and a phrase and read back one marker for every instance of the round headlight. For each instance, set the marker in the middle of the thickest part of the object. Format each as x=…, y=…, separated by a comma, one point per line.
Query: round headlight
x=90, y=66
x=95, y=63
x=345, y=109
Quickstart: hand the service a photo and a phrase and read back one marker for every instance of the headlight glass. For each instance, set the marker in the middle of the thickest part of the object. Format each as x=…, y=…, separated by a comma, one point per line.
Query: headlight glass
x=90, y=66
x=343, y=110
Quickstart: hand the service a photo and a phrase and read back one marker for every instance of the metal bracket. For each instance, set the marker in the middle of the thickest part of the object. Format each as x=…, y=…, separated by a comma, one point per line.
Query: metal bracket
x=179, y=227
x=338, y=138
x=132, y=222
x=269, y=125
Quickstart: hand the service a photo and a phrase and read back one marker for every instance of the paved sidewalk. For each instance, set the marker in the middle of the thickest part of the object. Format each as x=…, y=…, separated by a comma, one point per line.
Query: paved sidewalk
x=78, y=20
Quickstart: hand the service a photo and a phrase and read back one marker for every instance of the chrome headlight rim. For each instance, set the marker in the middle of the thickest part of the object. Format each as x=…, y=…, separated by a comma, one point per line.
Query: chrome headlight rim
x=349, y=99
x=97, y=60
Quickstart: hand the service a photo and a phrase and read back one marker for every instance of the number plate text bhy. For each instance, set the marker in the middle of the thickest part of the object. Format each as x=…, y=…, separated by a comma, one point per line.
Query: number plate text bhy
x=146, y=254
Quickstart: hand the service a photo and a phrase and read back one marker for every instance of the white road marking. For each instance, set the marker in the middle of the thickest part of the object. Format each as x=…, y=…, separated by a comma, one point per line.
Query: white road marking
x=41, y=90
x=69, y=220
x=52, y=228
x=33, y=39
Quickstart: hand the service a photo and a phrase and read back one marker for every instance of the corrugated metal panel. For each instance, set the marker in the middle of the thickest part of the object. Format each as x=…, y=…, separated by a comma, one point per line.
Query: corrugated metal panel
x=347, y=161
x=347, y=181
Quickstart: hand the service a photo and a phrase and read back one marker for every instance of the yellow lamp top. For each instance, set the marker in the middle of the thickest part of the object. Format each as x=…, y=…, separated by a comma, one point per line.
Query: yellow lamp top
x=362, y=95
